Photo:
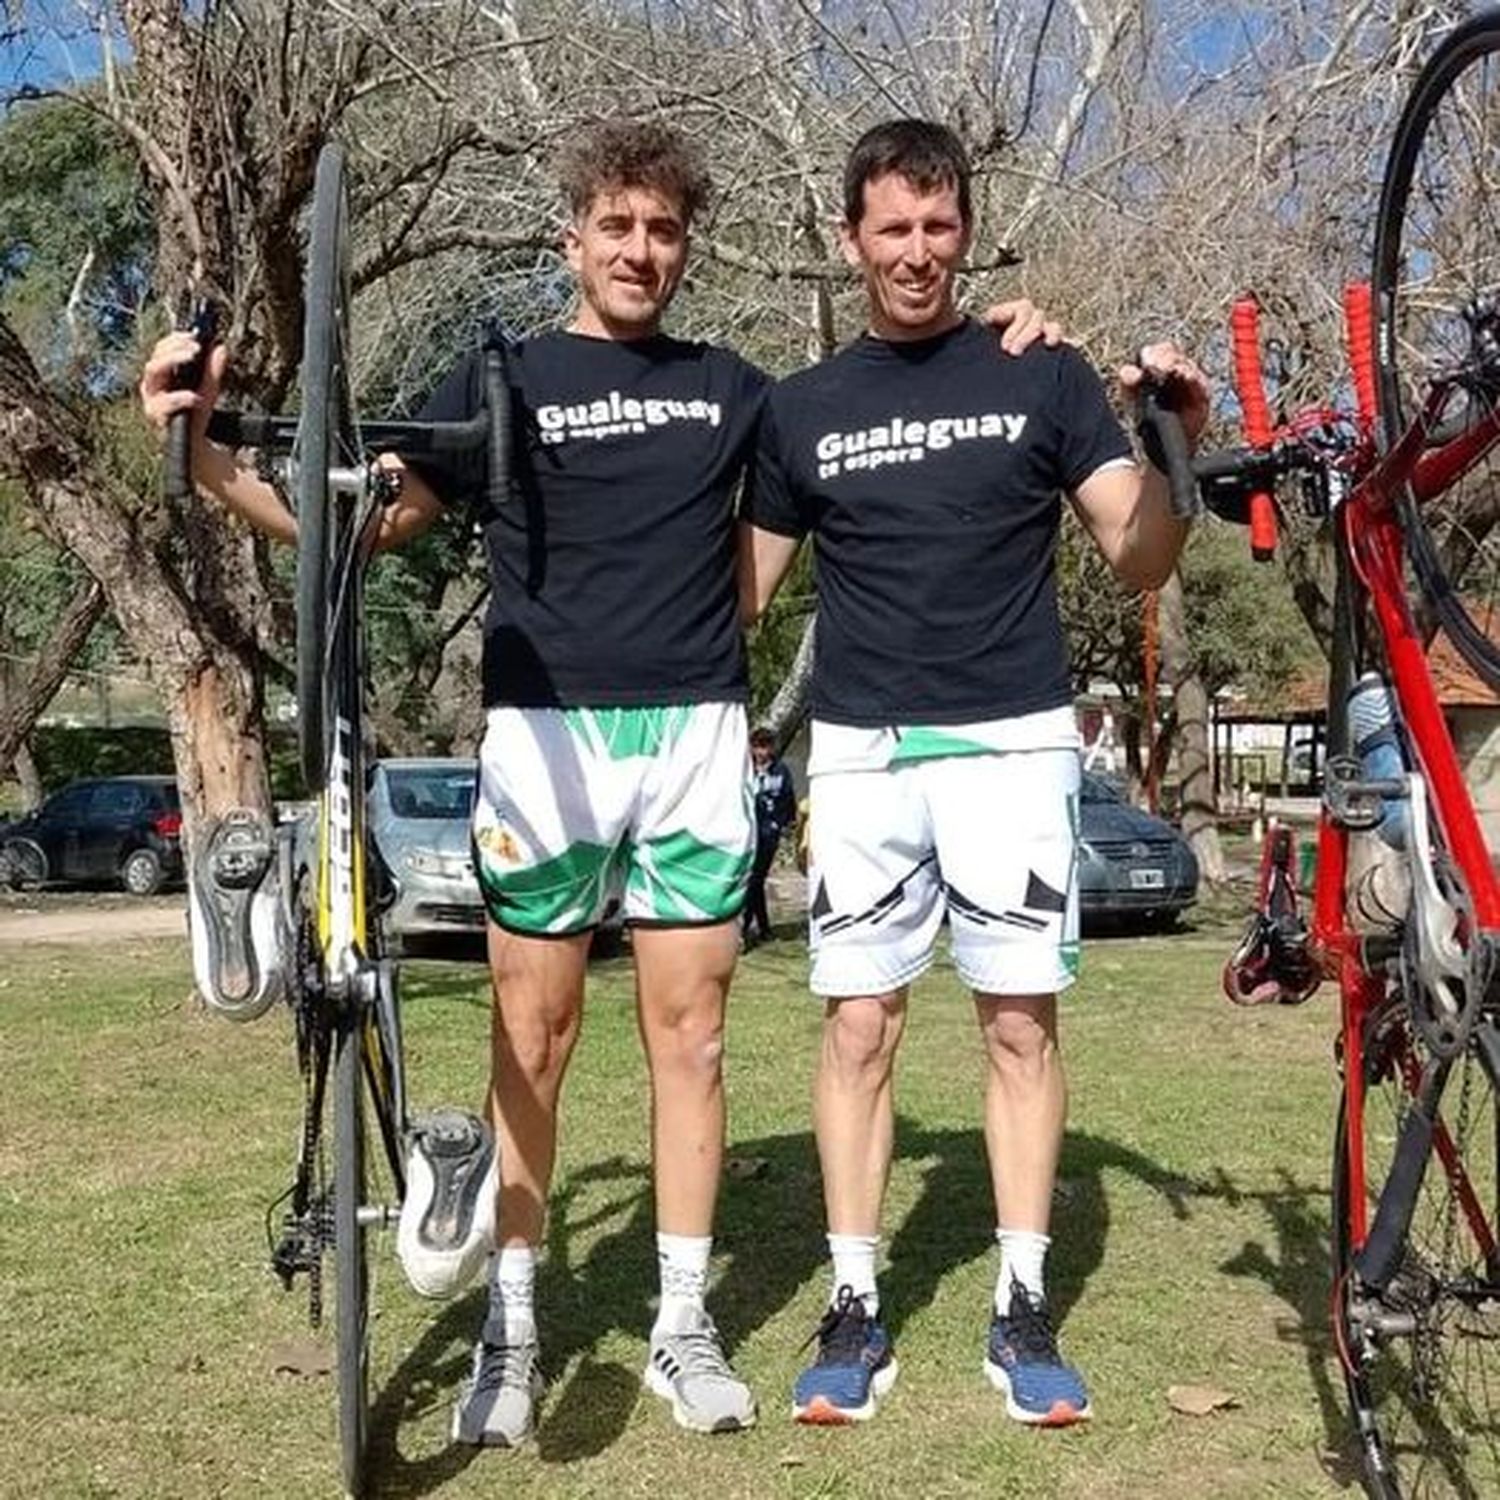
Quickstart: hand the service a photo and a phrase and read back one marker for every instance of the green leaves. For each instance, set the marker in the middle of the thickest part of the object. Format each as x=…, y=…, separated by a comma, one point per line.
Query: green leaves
x=74, y=229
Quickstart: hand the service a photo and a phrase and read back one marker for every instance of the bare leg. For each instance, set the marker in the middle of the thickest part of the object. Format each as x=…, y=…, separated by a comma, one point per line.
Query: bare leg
x=682, y=982
x=853, y=1107
x=538, y=1006
x=1025, y=1105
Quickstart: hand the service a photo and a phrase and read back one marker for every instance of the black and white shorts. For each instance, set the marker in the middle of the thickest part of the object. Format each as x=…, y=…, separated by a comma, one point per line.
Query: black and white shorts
x=989, y=840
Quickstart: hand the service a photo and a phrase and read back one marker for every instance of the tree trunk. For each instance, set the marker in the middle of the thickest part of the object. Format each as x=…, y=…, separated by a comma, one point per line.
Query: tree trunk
x=1199, y=811
x=29, y=778
x=199, y=643
x=23, y=762
x=24, y=703
x=788, y=708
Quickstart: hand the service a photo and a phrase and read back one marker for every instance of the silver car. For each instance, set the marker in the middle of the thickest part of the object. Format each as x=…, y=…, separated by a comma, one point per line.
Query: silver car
x=419, y=819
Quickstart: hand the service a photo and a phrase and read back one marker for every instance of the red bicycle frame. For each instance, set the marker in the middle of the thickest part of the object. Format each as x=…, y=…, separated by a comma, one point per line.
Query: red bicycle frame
x=1374, y=543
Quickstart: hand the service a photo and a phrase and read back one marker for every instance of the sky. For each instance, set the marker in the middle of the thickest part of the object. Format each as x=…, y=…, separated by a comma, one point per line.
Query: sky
x=48, y=44
x=55, y=43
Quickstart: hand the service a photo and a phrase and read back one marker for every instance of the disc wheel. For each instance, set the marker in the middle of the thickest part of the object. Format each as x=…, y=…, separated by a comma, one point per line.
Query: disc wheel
x=326, y=440
x=1421, y=1359
x=1437, y=294
x=351, y=1266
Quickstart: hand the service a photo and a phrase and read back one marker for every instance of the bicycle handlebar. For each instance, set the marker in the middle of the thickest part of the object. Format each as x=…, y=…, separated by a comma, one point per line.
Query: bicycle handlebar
x=489, y=427
x=1244, y=324
x=1166, y=446
x=1359, y=324
x=177, y=481
x=1228, y=481
x=244, y=429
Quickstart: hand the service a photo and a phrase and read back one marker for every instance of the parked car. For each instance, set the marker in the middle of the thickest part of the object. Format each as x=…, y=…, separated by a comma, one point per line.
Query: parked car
x=419, y=821
x=124, y=830
x=420, y=810
x=1131, y=863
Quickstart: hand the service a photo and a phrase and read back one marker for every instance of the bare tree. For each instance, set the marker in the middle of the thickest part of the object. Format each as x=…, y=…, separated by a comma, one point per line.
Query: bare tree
x=1135, y=168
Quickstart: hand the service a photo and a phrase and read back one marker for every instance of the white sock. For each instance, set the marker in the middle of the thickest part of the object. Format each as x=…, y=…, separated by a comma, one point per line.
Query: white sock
x=512, y=1278
x=1023, y=1253
x=854, y=1267
x=683, y=1261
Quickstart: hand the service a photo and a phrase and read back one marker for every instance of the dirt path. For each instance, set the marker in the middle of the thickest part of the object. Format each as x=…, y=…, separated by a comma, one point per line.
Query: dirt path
x=71, y=918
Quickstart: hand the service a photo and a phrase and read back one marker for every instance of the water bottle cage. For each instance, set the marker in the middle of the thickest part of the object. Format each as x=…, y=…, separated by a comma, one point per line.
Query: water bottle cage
x=1353, y=801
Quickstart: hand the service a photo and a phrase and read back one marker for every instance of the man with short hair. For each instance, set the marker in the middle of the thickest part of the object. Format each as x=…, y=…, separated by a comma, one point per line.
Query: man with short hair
x=944, y=760
x=613, y=762
x=775, y=799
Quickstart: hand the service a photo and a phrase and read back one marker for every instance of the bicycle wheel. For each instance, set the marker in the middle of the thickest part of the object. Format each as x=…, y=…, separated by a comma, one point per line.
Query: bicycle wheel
x=1437, y=292
x=326, y=439
x=351, y=1270
x=23, y=864
x=1421, y=1359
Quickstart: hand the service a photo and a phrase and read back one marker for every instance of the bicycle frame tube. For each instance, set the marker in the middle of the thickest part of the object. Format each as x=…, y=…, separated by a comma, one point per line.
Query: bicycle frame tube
x=1339, y=950
x=1374, y=547
x=1437, y=468
x=343, y=911
x=1453, y=1169
x=1375, y=544
x=341, y=854
x=1428, y=469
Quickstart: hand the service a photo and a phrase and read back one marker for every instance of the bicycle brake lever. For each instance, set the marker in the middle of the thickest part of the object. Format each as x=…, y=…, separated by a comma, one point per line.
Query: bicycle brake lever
x=204, y=326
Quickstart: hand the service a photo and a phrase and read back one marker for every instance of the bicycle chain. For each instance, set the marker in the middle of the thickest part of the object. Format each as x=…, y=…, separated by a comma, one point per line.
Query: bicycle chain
x=1450, y=1219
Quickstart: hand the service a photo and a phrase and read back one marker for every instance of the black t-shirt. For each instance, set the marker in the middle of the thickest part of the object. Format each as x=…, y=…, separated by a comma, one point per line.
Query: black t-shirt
x=612, y=561
x=930, y=475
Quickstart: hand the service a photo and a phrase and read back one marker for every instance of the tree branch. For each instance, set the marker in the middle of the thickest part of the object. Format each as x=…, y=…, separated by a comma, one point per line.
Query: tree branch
x=25, y=705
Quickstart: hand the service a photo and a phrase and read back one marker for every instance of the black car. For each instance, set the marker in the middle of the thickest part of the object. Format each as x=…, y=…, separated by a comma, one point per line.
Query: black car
x=117, y=829
x=1131, y=864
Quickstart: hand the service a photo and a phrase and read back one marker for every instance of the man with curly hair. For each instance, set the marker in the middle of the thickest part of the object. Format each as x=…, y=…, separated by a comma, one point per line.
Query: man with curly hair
x=613, y=765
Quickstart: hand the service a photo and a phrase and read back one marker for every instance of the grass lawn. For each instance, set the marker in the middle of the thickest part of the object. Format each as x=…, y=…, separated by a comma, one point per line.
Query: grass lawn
x=141, y=1142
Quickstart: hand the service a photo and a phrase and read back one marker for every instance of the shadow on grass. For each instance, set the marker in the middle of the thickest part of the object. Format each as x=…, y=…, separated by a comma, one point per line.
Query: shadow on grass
x=1298, y=1269
x=771, y=1228
x=953, y=1221
x=428, y=1377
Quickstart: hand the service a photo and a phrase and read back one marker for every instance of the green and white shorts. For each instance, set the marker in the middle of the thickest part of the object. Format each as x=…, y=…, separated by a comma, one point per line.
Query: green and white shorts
x=578, y=807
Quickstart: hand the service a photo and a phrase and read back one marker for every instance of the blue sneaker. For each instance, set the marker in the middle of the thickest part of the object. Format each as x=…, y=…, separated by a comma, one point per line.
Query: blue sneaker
x=854, y=1366
x=1024, y=1363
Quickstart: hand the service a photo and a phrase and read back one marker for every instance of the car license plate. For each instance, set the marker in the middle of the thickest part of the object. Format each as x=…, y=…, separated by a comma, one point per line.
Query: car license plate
x=1147, y=880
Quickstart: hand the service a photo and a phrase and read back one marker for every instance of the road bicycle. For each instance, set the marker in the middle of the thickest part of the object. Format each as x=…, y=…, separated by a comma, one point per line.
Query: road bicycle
x=342, y=989
x=1405, y=479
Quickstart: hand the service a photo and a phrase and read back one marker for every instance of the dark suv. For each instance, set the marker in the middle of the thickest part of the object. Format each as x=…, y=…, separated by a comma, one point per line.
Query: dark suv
x=118, y=828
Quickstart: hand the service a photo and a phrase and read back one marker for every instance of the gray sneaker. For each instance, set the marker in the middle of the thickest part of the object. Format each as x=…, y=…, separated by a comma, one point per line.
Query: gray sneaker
x=689, y=1370
x=497, y=1407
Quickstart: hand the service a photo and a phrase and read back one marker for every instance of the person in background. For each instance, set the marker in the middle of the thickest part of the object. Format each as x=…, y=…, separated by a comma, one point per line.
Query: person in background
x=775, y=794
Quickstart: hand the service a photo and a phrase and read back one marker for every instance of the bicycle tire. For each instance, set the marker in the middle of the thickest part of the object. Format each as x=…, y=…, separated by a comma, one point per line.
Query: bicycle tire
x=1425, y=274
x=1411, y=1397
x=325, y=438
x=351, y=1268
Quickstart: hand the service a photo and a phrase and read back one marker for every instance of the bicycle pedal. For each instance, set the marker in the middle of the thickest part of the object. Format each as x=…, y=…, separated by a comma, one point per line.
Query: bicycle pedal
x=235, y=916
x=1355, y=802
x=447, y=1223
